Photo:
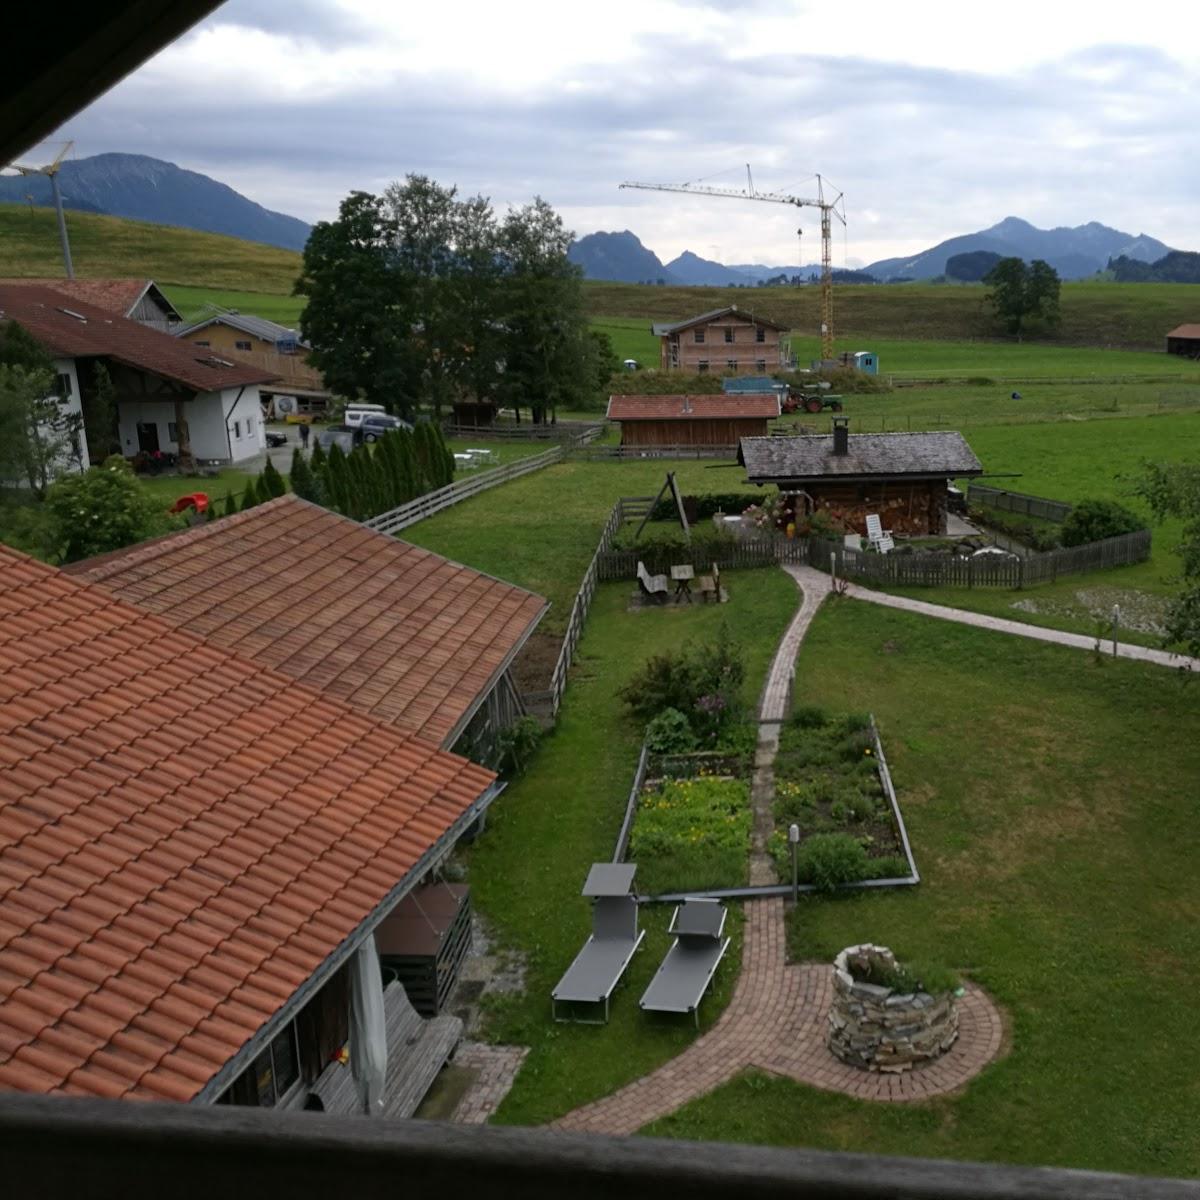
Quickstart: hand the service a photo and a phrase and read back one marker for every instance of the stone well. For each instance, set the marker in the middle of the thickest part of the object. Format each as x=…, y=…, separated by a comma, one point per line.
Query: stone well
x=877, y=1028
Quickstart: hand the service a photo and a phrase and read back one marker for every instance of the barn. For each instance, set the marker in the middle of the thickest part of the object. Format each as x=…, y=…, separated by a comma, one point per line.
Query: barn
x=718, y=422
x=1184, y=340
x=902, y=477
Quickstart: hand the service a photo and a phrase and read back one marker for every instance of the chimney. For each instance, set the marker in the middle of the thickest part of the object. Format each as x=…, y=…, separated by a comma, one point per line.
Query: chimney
x=687, y=404
x=841, y=436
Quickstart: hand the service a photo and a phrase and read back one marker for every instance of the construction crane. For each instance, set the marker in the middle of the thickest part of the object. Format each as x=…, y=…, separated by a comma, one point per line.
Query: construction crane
x=829, y=209
x=51, y=172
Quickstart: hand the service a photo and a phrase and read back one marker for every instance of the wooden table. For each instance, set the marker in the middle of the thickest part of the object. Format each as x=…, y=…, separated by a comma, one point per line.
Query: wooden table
x=683, y=576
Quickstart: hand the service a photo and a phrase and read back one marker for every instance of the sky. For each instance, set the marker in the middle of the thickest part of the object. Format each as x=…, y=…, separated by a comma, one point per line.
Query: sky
x=933, y=118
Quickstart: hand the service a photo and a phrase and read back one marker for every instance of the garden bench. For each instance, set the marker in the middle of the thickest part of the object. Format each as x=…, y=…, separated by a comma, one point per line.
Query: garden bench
x=599, y=965
x=417, y=1051
x=653, y=586
x=710, y=585
x=683, y=976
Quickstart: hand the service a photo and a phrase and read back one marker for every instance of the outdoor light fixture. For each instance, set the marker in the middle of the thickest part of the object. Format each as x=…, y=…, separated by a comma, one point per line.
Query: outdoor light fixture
x=794, y=842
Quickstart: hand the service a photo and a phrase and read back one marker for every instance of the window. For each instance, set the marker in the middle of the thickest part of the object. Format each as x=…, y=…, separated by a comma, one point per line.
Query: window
x=702, y=366
x=760, y=365
x=760, y=334
x=699, y=336
x=237, y=429
x=270, y=1076
x=729, y=334
x=64, y=386
x=242, y=346
x=249, y=426
x=172, y=432
x=731, y=364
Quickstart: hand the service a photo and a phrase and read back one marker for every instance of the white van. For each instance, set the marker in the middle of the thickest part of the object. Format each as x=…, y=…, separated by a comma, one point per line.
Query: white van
x=355, y=413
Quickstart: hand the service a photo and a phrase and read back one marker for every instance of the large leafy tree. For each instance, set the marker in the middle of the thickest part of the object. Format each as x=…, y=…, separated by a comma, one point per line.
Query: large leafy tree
x=357, y=317
x=1022, y=292
x=547, y=349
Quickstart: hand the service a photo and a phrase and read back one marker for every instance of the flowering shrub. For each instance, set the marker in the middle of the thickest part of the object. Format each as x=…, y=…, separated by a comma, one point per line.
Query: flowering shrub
x=692, y=835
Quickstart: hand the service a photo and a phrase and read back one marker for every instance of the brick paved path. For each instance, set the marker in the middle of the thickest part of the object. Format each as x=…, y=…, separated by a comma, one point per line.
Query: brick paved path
x=496, y=1068
x=776, y=1022
x=809, y=578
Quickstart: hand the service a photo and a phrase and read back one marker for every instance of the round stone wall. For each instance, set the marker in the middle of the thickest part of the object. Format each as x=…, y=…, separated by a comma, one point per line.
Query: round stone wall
x=878, y=1029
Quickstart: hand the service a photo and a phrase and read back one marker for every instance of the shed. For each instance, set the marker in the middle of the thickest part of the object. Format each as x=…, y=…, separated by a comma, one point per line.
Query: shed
x=902, y=477
x=1185, y=340
x=712, y=421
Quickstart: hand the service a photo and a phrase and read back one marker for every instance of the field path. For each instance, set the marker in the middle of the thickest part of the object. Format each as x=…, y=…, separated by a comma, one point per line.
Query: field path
x=809, y=578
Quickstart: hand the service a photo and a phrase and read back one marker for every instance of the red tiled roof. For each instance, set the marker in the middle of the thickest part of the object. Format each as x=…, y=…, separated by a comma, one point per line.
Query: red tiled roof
x=185, y=837
x=113, y=295
x=692, y=408
x=394, y=630
x=41, y=312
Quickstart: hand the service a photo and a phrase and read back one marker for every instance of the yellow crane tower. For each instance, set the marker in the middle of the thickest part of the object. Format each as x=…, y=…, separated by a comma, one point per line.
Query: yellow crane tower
x=829, y=209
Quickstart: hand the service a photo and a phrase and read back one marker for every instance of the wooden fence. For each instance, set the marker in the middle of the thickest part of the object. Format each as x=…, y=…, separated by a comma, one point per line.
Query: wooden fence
x=985, y=570
x=565, y=431
x=743, y=553
x=546, y=703
x=416, y=510
x=1018, y=502
x=642, y=452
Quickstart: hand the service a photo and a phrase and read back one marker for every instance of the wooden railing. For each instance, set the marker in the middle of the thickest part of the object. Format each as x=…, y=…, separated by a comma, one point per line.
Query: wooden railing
x=1018, y=502
x=579, y=432
x=634, y=452
x=985, y=570
x=60, y=1148
x=416, y=510
x=737, y=555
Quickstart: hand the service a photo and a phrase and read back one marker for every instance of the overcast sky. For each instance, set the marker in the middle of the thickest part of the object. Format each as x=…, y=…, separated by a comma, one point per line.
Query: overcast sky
x=934, y=118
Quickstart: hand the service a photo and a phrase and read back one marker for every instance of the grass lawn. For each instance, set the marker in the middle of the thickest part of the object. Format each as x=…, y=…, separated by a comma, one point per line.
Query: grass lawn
x=104, y=247
x=168, y=488
x=1057, y=861
x=284, y=308
x=564, y=814
x=540, y=531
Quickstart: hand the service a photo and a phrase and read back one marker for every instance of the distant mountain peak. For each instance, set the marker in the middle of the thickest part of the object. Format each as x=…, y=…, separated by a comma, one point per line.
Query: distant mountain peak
x=152, y=189
x=618, y=256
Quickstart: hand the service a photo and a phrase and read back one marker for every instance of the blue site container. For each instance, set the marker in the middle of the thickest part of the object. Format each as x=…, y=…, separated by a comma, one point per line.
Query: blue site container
x=866, y=361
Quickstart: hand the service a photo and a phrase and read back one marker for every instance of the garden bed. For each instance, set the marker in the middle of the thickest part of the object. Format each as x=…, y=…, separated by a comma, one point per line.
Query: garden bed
x=691, y=820
x=831, y=783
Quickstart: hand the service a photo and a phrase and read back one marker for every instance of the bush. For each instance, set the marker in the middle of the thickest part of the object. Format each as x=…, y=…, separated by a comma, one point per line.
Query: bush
x=104, y=509
x=808, y=716
x=660, y=549
x=828, y=860
x=670, y=733
x=517, y=745
x=704, y=508
x=1094, y=520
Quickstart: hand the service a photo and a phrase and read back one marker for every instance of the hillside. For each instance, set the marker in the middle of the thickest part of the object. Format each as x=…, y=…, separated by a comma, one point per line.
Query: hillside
x=1130, y=316
x=149, y=189
x=111, y=246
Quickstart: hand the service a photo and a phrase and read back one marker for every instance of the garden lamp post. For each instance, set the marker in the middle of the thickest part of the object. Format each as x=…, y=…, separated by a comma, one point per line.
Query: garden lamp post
x=1116, y=620
x=794, y=842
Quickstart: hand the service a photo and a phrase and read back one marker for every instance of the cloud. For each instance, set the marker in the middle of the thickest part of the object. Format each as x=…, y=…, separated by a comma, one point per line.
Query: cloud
x=297, y=107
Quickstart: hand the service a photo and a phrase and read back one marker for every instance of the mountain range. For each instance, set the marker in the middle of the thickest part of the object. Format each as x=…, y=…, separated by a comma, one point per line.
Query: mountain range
x=1074, y=253
x=149, y=189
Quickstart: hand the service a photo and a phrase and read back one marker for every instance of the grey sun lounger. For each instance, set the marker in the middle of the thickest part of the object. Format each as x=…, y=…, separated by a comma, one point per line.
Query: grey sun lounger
x=598, y=967
x=683, y=976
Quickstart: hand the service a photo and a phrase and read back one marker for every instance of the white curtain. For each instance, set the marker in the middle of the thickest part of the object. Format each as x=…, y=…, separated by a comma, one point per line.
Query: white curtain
x=368, y=1033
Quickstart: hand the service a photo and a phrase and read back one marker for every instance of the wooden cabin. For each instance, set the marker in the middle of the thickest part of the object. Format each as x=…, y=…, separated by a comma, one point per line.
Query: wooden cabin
x=726, y=341
x=719, y=421
x=902, y=477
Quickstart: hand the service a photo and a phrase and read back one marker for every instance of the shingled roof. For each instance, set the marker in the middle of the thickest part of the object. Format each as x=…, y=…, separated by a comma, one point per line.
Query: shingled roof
x=871, y=456
x=259, y=327
x=186, y=838
x=666, y=328
x=394, y=630
x=727, y=406
x=70, y=328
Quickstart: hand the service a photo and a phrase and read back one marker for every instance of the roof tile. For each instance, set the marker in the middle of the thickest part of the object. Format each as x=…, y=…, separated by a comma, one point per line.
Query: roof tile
x=159, y=903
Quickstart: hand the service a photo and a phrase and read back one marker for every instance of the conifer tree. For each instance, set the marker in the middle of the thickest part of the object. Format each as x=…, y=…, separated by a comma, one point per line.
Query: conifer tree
x=304, y=482
x=272, y=482
x=338, y=480
x=231, y=504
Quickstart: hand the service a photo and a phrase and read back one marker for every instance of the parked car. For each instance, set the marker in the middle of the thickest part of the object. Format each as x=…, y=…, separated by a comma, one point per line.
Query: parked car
x=338, y=435
x=375, y=425
x=276, y=438
x=352, y=418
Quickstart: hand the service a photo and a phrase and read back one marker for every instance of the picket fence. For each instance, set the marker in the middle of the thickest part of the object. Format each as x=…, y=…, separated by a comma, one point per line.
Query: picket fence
x=985, y=570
